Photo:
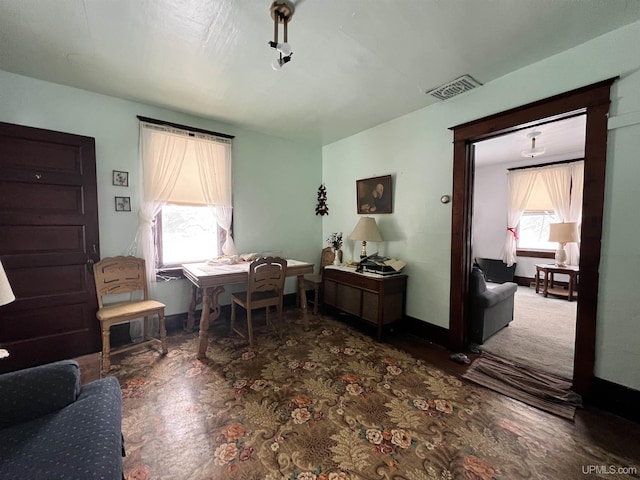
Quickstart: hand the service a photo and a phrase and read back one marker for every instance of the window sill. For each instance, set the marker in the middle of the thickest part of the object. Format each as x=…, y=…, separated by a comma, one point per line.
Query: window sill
x=535, y=253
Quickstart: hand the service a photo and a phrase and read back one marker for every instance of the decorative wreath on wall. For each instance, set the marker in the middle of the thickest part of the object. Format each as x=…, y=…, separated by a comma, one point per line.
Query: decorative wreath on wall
x=321, y=207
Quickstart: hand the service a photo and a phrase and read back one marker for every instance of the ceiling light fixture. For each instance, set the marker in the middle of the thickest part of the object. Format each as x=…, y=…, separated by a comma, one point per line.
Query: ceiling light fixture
x=281, y=12
x=533, y=151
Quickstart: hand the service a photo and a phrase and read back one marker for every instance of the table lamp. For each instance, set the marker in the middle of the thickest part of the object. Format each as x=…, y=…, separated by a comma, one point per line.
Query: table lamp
x=563, y=233
x=367, y=231
x=6, y=296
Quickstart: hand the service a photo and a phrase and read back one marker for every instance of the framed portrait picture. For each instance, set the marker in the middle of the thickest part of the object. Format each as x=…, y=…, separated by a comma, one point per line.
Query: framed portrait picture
x=123, y=204
x=120, y=179
x=374, y=195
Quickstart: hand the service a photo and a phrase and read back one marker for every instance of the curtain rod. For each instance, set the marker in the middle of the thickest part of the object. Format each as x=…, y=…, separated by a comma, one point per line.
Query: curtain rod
x=545, y=164
x=183, y=127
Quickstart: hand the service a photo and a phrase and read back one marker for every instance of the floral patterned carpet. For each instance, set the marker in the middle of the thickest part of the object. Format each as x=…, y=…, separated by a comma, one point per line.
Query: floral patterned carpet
x=330, y=404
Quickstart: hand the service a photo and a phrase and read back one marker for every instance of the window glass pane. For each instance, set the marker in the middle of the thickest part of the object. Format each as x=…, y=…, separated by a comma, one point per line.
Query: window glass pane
x=189, y=234
x=533, y=230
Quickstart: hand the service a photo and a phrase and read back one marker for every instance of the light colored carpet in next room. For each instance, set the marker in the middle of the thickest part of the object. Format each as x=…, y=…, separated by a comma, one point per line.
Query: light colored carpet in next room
x=541, y=335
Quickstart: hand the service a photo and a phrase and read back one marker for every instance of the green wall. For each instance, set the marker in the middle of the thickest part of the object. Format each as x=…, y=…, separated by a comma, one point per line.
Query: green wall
x=268, y=172
x=417, y=150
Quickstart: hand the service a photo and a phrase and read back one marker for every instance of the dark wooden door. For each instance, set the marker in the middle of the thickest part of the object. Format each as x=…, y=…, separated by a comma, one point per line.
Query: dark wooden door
x=48, y=238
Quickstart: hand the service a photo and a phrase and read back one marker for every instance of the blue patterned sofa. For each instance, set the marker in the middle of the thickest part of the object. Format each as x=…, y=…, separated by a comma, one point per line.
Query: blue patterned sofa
x=52, y=428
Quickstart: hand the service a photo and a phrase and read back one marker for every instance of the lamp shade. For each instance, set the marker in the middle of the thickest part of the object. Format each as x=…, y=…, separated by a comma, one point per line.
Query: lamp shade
x=6, y=294
x=367, y=230
x=563, y=232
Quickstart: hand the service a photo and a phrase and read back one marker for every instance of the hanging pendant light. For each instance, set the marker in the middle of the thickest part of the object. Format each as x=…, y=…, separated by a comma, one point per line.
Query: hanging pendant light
x=533, y=151
x=281, y=12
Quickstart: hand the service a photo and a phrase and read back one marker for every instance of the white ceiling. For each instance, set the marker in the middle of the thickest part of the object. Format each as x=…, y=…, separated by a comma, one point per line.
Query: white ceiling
x=356, y=63
x=562, y=140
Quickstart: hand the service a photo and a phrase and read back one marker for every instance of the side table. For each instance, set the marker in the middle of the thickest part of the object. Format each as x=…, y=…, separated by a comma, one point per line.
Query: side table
x=547, y=281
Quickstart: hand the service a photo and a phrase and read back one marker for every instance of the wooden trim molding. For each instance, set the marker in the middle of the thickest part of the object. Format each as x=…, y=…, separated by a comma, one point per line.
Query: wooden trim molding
x=428, y=331
x=535, y=254
x=615, y=398
x=593, y=100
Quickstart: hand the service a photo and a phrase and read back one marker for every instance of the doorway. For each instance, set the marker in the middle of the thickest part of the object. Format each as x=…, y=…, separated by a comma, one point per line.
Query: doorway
x=593, y=100
x=542, y=332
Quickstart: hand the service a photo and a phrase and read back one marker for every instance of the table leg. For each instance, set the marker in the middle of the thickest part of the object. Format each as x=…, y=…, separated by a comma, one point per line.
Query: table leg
x=191, y=320
x=210, y=312
x=545, y=285
x=303, y=301
x=571, y=279
x=537, y=280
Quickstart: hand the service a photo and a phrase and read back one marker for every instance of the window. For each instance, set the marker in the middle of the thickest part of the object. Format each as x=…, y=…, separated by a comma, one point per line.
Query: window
x=186, y=234
x=533, y=230
x=186, y=208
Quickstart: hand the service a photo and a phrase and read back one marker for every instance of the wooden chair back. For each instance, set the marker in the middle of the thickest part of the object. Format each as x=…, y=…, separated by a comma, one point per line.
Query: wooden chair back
x=267, y=274
x=115, y=275
x=327, y=257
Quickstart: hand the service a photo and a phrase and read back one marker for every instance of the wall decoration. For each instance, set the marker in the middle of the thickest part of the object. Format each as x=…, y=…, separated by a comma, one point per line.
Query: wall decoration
x=123, y=204
x=373, y=195
x=322, y=208
x=120, y=179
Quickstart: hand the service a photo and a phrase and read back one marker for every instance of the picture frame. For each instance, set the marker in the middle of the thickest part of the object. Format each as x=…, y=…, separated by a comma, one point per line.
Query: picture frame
x=120, y=178
x=123, y=204
x=374, y=195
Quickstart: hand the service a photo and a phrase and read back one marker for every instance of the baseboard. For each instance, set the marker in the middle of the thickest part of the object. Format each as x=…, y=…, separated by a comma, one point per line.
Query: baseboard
x=523, y=281
x=428, y=331
x=615, y=398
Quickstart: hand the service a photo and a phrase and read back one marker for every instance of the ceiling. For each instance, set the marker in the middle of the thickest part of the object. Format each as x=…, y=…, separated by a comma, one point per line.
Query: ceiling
x=356, y=63
x=562, y=140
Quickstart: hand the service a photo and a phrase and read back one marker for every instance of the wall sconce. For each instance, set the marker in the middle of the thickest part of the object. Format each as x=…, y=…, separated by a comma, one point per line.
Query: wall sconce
x=281, y=12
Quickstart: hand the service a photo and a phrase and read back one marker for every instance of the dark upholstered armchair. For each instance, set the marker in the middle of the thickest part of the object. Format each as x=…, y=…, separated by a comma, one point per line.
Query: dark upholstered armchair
x=491, y=308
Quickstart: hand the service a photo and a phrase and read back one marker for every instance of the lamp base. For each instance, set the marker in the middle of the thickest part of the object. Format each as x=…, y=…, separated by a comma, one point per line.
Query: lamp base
x=561, y=256
x=363, y=253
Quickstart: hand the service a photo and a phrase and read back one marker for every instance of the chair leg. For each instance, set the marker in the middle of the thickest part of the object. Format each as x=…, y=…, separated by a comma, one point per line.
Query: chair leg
x=233, y=317
x=316, y=295
x=163, y=333
x=106, y=348
x=250, y=328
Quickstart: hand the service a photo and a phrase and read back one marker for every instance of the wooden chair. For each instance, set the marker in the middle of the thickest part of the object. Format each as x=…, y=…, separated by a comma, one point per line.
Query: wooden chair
x=264, y=289
x=122, y=275
x=314, y=281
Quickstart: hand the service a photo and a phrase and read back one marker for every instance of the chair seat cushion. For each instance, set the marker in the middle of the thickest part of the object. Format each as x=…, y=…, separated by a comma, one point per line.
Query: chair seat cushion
x=313, y=279
x=124, y=309
x=241, y=297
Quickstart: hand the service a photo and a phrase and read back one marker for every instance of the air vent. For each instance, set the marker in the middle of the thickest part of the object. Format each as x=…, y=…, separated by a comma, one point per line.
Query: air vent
x=455, y=87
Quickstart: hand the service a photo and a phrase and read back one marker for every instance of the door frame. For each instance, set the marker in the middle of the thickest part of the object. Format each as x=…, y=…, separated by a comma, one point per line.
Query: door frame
x=594, y=100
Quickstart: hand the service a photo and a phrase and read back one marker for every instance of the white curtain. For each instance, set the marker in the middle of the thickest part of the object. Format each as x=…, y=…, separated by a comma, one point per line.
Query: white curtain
x=214, y=165
x=170, y=159
x=162, y=155
x=520, y=184
x=575, y=210
x=557, y=180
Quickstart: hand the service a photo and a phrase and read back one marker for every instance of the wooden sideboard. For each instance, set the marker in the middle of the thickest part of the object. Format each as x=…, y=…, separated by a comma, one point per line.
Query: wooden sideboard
x=374, y=298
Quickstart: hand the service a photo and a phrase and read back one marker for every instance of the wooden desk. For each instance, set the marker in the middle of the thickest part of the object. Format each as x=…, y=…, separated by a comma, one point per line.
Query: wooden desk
x=212, y=279
x=547, y=282
x=378, y=299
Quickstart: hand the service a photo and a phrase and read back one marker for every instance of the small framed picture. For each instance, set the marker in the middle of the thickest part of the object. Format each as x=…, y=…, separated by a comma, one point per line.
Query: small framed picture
x=120, y=179
x=123, y=204
x=374, y=195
